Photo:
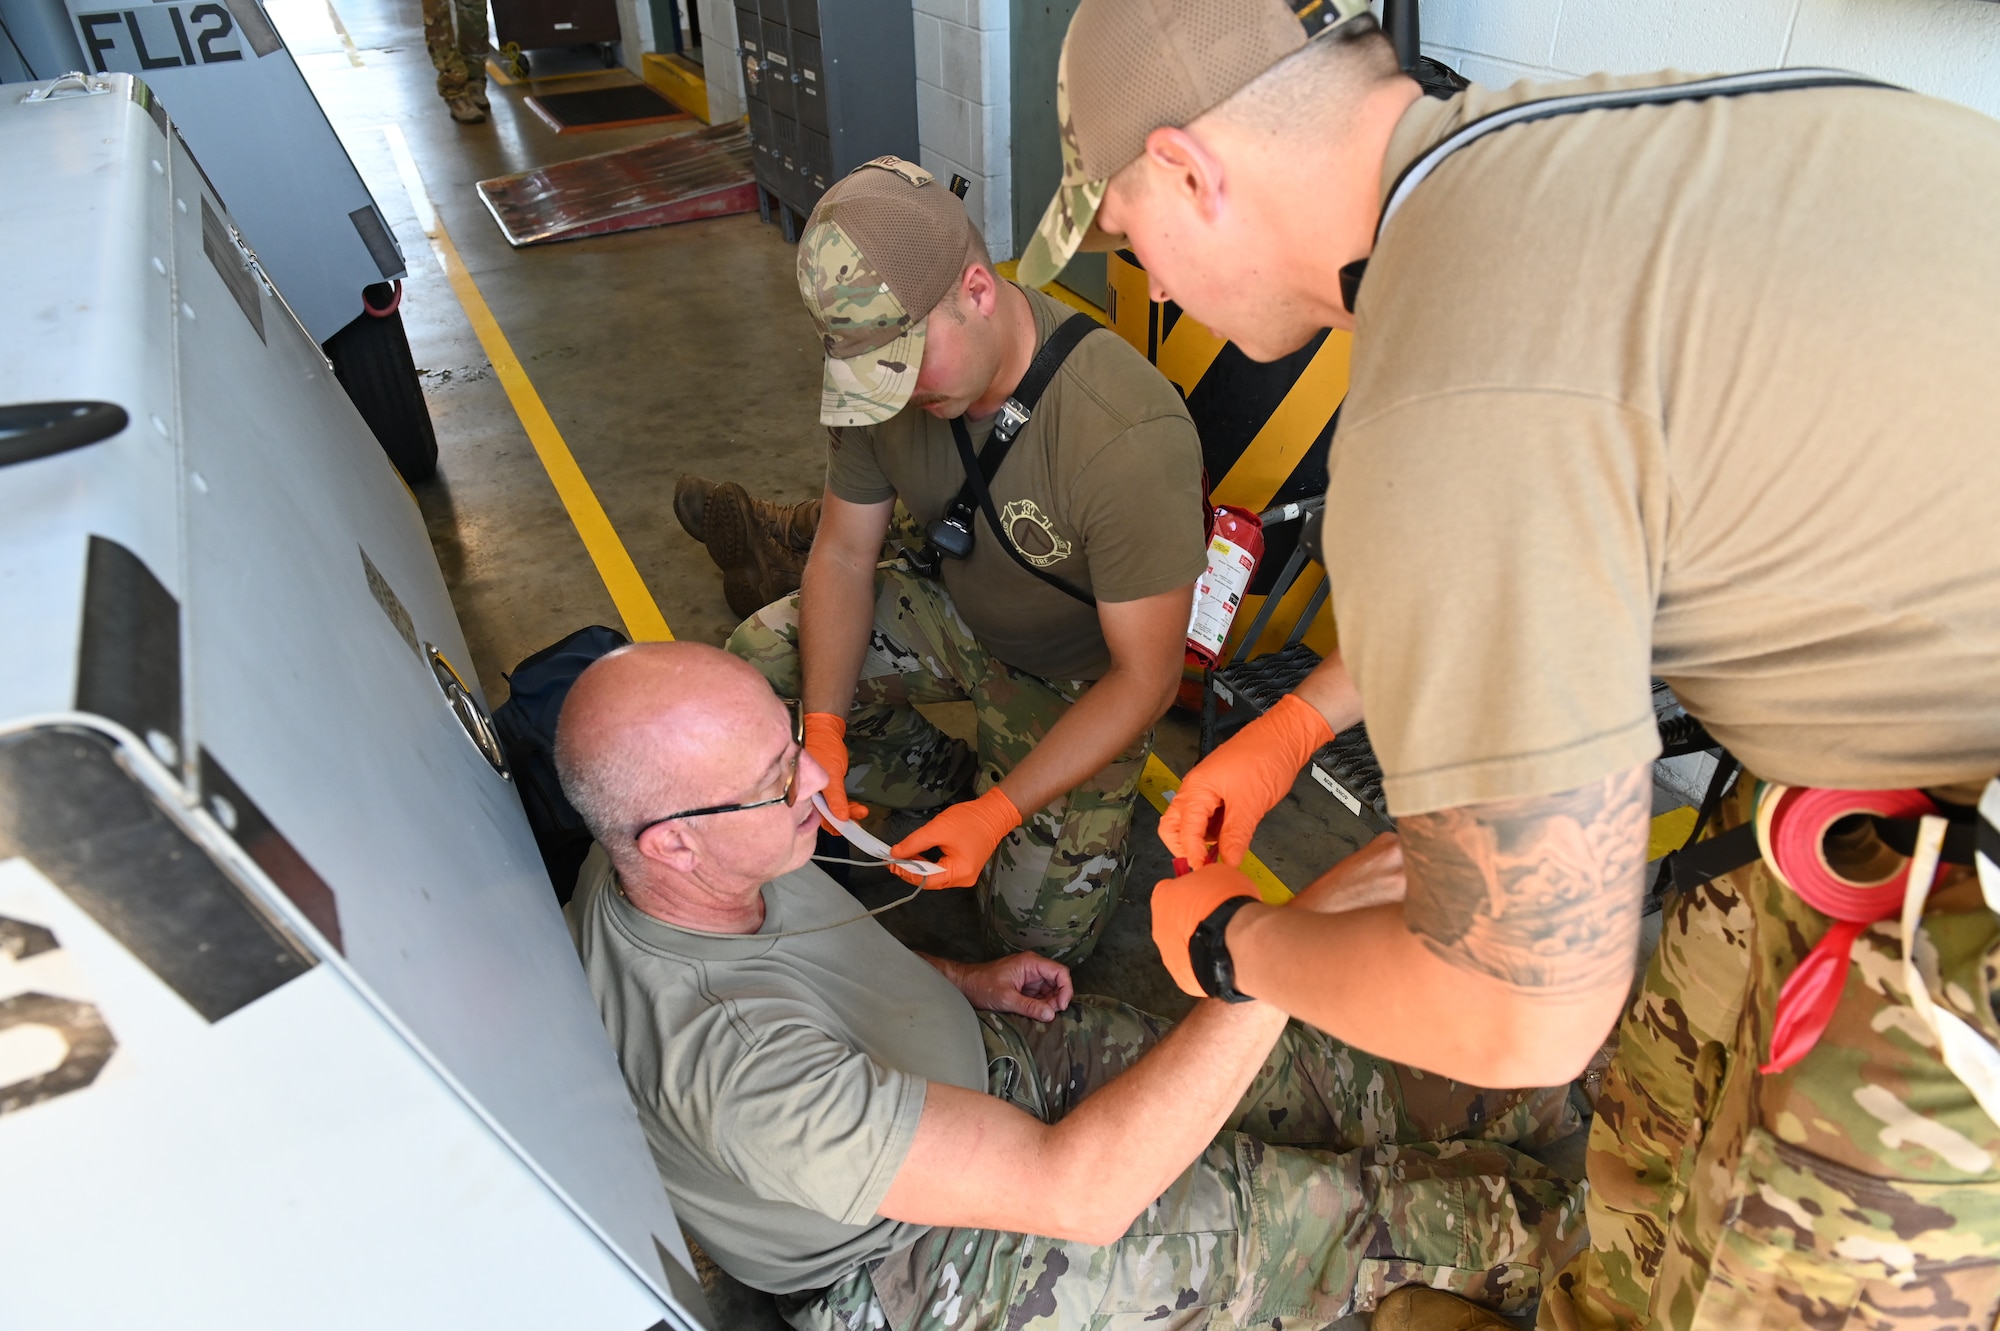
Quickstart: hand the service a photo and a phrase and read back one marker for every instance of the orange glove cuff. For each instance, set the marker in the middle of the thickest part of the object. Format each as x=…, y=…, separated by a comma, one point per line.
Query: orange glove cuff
x=825, y=728
x=826, y=741
x=1242, y=781
x=967, y=834
x=1180, y=904
x=1294, y=728
x=995, y=813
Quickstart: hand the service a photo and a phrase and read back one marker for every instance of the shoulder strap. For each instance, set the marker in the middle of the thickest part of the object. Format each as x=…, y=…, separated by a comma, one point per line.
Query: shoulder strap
x=1014, y=414
x=1020, y=404
x=1731, y=85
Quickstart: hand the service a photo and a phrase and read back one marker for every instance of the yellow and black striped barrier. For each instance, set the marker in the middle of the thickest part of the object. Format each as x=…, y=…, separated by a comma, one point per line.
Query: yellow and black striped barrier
x=1264, y=428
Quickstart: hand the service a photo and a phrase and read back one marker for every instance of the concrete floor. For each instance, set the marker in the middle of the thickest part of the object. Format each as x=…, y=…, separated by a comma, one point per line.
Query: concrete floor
x=656, y=352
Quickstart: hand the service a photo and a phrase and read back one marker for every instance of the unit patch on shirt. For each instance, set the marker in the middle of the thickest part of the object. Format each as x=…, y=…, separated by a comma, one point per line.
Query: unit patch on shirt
x=1033, y=534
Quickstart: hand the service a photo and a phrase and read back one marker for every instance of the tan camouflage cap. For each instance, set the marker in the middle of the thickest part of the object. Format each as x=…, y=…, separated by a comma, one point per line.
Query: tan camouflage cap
x=884, y=246
x=1130, y=66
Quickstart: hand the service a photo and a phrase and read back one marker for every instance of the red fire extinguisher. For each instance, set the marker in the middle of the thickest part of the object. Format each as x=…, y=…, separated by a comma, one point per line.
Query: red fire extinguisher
x=1235, y=544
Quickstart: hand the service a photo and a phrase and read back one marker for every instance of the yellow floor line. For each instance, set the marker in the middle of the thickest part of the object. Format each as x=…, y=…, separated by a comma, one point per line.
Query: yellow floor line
x=636, y=606
x=353, y=56
x=1669, y=832
x=1158, y=783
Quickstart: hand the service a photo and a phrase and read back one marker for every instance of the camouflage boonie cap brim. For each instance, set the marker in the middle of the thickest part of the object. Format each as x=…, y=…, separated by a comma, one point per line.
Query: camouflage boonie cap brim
x=1161, y=77
x=1070, y=214
x=870, y=388
x=874, y=347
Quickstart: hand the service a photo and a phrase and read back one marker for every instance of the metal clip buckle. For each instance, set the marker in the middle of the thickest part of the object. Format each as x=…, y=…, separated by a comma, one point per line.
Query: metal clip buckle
x=1012, y=418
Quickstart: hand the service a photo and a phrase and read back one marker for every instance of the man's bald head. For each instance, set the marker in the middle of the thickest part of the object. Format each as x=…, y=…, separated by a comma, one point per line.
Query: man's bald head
x=657, y=727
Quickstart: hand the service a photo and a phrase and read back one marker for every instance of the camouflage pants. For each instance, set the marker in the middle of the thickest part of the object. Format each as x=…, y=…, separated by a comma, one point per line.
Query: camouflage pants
x=1857, y=1189
x=1329, y=1187
x=1052, y=884
x=458, y=45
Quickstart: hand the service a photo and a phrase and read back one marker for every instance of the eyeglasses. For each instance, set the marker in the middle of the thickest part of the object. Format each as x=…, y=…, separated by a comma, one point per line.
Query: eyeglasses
x=789, y=797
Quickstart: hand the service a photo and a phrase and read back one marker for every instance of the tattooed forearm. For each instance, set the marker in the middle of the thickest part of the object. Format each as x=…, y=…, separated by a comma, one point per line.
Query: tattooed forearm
x=1541, y=893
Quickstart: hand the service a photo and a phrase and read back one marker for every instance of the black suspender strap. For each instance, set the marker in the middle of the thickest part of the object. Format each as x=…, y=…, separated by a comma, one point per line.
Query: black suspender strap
x=1732, y=85
x=1013, y=417
x=1961, y=839
x=1675, y=869
x=1698, y=861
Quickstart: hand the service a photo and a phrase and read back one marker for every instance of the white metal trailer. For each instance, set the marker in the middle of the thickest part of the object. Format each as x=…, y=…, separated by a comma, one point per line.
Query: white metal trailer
x=291, y=1032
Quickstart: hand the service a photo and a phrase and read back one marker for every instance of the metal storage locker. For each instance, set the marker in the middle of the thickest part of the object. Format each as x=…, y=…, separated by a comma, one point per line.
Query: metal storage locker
x=290, y=1027
x=828, y=90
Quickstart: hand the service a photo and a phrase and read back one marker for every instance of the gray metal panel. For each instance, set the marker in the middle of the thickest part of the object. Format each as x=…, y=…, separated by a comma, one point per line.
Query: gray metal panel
x=870, y=49
x=248, y=488
x=259, y=134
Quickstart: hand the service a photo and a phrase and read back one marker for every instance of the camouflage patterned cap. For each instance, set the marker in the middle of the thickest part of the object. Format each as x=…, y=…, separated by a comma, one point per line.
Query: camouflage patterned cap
x=884, y=246
x=1131, y=66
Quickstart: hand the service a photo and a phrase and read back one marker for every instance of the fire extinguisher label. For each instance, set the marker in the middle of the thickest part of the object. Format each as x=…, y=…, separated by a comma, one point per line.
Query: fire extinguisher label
x=1218, y=595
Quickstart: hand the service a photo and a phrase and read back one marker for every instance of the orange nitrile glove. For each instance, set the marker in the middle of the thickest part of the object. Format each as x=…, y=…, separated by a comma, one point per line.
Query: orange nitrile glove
x=1179, y=904
x=967, y=833
x=1243, y=780
x=826, y=741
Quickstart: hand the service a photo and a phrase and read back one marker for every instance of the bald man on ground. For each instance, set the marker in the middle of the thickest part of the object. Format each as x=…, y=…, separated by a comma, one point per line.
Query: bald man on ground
x=886, y=1139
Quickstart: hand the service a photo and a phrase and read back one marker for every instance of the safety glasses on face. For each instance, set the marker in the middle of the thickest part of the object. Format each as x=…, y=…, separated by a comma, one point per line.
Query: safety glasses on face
x=789, y=797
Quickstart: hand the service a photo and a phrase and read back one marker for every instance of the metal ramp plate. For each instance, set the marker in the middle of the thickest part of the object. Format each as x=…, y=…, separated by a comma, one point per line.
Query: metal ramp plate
x=674, y=179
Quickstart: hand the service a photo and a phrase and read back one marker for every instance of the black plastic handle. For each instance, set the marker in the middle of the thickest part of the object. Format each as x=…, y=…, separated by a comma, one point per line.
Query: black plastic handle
x=30, y=430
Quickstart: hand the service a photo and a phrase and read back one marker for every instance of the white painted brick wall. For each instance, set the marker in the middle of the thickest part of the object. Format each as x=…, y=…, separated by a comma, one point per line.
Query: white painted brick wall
x=1948, y=48
x=635, y=31
x=720, y=66
x=963, y=112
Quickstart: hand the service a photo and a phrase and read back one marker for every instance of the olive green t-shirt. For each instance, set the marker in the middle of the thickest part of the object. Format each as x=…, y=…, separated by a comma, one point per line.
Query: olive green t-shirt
x=779, y=1080
x=1101, y=489
x=1705, y=390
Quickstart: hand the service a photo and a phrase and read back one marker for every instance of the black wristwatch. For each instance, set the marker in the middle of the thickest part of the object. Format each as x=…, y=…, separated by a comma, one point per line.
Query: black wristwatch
x=1208, y=951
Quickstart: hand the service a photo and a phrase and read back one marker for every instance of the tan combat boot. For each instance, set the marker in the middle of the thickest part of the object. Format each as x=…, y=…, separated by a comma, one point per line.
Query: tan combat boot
x=1420, y=1308
x=792, y=525
x=760, y=547
x=465, y=111
x=691, y=505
